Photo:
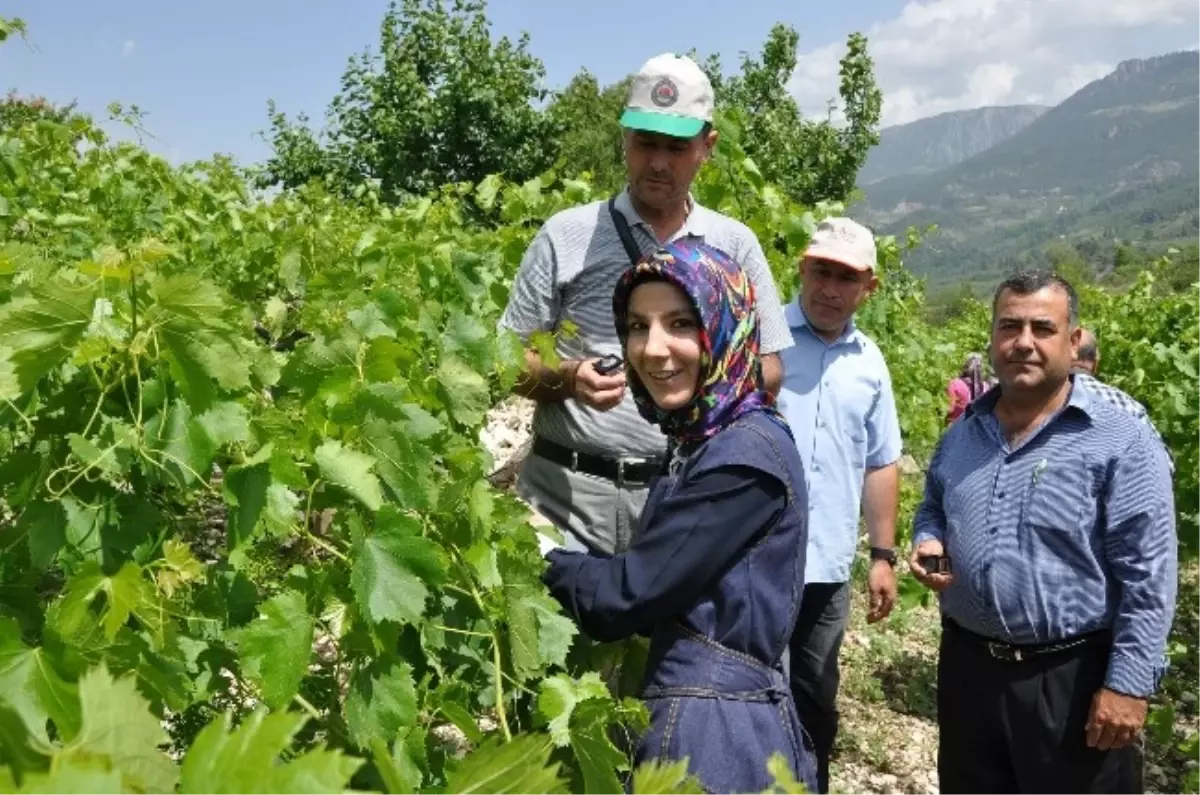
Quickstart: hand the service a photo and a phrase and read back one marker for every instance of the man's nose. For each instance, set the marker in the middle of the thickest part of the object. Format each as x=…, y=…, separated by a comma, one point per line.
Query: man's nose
x=1024, y=340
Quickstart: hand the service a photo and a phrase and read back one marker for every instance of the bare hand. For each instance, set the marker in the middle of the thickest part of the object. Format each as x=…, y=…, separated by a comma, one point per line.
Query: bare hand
x=1115, y=719
x=601, y=392
x=881, y=589
x=934, y=582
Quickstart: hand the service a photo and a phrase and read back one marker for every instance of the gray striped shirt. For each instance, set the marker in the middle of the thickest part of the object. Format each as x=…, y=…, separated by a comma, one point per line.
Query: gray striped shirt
x=569, y=273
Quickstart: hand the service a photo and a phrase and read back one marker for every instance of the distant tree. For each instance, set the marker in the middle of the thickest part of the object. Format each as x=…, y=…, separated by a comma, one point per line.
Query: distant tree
x=586, y=125
x=813, y=159
x=439, y=102
x=17, y=111
x=1067, y=263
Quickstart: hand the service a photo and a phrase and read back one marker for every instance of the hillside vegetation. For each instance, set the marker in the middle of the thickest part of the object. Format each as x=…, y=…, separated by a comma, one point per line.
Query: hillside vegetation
x=1117, y=161
x=947, y=139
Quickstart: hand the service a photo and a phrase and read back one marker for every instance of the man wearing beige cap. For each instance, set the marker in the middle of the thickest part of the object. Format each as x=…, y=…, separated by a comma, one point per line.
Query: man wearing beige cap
x=837, y=397
x=593, y=455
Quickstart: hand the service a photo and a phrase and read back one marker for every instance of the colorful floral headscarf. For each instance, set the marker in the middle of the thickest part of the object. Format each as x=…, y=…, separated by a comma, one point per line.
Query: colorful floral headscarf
x=730, y=367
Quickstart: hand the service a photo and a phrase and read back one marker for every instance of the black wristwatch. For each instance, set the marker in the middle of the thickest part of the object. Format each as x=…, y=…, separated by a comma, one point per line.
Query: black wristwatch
x=878, y=553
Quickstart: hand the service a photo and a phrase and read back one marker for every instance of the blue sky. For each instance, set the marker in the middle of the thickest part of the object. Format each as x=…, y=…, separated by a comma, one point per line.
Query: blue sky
x=203, y=72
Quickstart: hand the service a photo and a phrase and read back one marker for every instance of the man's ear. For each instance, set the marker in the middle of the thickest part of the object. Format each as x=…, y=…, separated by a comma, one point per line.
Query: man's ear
x=873, y=284
x=710, y=142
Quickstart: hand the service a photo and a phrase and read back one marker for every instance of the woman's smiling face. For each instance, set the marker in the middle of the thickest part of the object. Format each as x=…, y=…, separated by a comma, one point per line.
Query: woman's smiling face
x=663, y=344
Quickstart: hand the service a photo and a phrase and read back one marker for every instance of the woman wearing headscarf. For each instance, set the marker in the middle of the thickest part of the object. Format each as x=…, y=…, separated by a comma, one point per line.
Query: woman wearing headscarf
x=715, y=574
x=966, y=387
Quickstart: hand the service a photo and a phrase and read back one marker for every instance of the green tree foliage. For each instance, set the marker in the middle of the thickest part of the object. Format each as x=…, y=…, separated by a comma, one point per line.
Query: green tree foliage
x=439, y=102
x=813, y=159
x=16, y=110
x=586, y=124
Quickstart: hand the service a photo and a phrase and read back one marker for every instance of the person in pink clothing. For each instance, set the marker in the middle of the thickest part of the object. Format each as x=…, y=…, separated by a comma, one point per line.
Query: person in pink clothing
x=966, y=387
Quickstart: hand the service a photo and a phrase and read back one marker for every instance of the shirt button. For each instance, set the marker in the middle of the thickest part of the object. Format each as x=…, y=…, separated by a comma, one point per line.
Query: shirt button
x=992, y=531
x=816, y=467
x=1000, y=495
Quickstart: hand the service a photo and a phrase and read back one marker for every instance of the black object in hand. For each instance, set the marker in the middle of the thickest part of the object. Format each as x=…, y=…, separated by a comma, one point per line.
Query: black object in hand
x=608, y=364
x=935, y=564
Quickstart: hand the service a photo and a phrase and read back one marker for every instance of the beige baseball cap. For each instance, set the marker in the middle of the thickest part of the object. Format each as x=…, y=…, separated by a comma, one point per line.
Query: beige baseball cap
x=845, y=241
x=670, y=95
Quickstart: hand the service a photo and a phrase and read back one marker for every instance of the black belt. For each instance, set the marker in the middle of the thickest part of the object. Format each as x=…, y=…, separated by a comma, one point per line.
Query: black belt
x=1020, y=652
x=619, y=470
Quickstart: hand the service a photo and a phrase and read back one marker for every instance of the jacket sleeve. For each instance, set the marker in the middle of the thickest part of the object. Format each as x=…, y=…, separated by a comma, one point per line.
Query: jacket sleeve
x=693, y=536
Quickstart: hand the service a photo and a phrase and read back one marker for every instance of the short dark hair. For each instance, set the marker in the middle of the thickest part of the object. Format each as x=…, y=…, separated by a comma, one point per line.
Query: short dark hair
x=1027, y=282
x=1089, y=351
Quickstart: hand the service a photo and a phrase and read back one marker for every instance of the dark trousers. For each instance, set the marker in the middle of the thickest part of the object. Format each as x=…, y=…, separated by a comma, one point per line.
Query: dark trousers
x=1006, y=726
x=813, y=660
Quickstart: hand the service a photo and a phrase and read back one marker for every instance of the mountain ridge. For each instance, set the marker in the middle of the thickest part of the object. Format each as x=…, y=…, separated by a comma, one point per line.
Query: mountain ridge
x=1129, y=139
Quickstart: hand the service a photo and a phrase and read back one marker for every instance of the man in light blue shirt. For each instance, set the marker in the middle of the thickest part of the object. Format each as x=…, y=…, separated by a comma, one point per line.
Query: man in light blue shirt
x=837, y=397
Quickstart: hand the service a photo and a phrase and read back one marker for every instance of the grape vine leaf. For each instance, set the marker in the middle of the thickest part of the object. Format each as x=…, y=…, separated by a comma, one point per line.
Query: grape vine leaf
x=190, y=311
x=182, y=444
x=179, y=567
x=395, y=451
x=540, y=634
x=382, y=701
x=225, y=423
x=245, y=487
x=118, y=727
x=30, y=685
x=466, y=390
x=655, y=777
x=75, y=776
x=522, y=765
x=467, y=337
x=350, y=470
x=560, y=694
x=127, y=594
x=44, y=525
x=274, y=650
x=392, y=564
x=599, y=760
x=39, y=330
x=248, y=758
x=783, y=779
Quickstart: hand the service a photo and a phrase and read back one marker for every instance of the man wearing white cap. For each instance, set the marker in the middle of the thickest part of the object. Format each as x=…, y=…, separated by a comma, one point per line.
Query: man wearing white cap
x=593, y=455
x=837, y=397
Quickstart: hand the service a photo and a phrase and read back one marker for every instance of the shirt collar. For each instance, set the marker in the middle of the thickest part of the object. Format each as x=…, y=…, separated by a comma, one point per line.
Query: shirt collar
x=693, y=222
x=793, y=313
x=1080, y=398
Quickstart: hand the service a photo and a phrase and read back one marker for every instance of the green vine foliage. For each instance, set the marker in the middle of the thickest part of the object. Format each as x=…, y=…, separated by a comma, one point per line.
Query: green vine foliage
x=248, y=541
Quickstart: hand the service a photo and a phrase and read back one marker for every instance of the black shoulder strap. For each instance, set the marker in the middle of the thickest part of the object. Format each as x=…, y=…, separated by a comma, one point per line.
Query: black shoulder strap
x=623, y=230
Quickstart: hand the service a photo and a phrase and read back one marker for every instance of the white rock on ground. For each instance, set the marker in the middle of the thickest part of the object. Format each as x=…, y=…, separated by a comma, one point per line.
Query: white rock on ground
x=507, y=435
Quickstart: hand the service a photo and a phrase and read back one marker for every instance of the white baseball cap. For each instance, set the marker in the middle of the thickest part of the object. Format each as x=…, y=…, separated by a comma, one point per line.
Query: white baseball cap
x=845, y=241
x=670, y=95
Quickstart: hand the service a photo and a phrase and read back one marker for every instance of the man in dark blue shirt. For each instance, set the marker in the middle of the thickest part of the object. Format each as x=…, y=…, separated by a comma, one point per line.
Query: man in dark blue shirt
x=1055, y=509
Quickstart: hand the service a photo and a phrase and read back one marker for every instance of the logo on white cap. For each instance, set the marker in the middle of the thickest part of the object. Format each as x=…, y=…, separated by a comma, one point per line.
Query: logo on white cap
x=664, y=94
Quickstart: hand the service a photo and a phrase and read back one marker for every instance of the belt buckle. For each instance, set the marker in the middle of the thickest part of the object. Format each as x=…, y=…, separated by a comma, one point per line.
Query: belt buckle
x=1001, y=651
x=621, y=462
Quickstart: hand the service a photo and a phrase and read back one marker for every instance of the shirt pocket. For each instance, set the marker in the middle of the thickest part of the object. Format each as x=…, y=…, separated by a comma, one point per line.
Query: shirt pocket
x=1062, y=500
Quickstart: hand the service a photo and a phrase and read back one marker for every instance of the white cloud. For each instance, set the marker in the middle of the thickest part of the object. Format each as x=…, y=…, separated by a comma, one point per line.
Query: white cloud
x=942, y=55
x=127, y=48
